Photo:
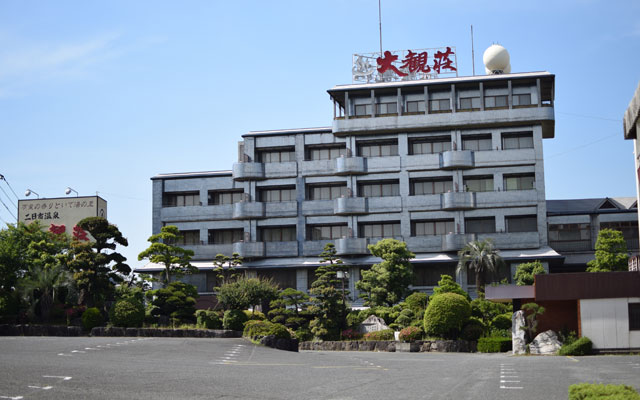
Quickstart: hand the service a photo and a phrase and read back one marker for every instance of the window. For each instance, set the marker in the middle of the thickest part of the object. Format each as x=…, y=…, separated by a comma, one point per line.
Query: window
x=519, y=182
x=386, y=108
x=431, y=186
x=480, y=225
x=278, y=234
x=379, y=189
x=415, y=106
x=503, y=273
x=181, y=199
x=284, y=278
x=274, y=195
x=430, y=146
x=430, y=228
x=634, y=316
x=496, y=101
x=188, y=238
x=380, y=230
x=362, y=110
x=570, y=237
x=277, y=155
x=326, y=192
x=522, y=99
x=476, y=142
x=478, y=183
x=469, y=103
x=327, y=232
x=224, y=197
x=430, y=274
x=520, y=140
x=326, y=153
x=378, y=149
x=522, y=223
x=225, y=236
x=441, y=105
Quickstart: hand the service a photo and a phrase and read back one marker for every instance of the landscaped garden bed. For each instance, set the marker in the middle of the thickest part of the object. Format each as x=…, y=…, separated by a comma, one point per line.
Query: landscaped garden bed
x=446, y=346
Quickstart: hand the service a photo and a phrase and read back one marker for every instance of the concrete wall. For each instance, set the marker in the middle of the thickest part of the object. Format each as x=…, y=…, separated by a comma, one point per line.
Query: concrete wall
x=606, y=323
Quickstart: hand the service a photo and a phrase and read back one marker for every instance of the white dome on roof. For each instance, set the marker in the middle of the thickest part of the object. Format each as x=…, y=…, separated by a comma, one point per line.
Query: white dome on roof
x=496, y=60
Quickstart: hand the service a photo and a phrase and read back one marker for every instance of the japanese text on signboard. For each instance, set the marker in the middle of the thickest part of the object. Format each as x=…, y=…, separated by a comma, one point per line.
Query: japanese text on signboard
x=404, y=65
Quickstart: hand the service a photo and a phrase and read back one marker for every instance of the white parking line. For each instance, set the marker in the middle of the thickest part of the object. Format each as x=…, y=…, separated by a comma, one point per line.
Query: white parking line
x=12, y=398
x=64, y=378
x=511, y=387
x=78, y=351
x=40, y=387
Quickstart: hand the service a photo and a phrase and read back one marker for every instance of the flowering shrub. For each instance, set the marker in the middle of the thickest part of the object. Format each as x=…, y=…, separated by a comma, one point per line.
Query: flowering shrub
x=385, y=334
x=410, y=333
x=351, y=334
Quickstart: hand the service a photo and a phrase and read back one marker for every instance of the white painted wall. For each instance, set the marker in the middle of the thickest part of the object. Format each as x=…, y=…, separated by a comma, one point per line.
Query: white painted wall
x=606, y=323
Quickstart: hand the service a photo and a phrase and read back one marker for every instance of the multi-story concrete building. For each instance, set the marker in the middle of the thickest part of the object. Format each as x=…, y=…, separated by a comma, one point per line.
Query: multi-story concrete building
x=574, y=226
x=435, y=163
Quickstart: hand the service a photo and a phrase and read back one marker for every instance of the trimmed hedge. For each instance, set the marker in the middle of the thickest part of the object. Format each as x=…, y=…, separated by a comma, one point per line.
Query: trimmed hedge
x=580, y=347
x=410, y=334
x=385, y=334
x=446, y=314
x=502, y=321
x=128, y=313
x=208, y=319
x=256, y=328
x=91, y=318
x=473, y=329
x=494, y=344
x=593, y=391
x=234, y=320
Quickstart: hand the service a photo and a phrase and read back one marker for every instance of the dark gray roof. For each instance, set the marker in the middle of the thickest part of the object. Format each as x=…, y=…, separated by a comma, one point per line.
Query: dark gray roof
x=591, y=206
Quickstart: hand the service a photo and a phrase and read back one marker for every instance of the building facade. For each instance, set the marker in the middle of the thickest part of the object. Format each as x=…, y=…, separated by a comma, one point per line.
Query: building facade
x=435, y=163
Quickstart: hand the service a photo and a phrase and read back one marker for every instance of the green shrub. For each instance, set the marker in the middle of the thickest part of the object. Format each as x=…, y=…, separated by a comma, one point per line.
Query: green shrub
x=447, y=284
x=254, y=315
x=410, y=333
x=256, y=328
x=128, y=313
x=502, y=321
x=405, y=319
x=385, y=334
x=593, y=391
x=494, y=344
x=487, y=310
x=234, y=320
x=91, y=318
x=303, y=334
x=446, y=314
x=473, y=329
x=280, y=331
x=207, y=319
x=416, y=301
x=580, y=347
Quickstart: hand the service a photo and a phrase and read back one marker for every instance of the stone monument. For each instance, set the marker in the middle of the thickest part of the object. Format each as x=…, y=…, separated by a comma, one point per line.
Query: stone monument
x=372, y=324
x=518, y=340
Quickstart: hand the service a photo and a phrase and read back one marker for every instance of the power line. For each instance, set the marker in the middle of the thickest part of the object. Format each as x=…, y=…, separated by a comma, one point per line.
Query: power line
x=589, y=116
x=583, y=145
x=11, y=201
x=5, y=206
x=7, y=182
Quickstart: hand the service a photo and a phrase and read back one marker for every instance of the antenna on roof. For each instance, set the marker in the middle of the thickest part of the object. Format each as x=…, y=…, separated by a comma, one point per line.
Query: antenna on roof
x=380, y=24
x=473, y=57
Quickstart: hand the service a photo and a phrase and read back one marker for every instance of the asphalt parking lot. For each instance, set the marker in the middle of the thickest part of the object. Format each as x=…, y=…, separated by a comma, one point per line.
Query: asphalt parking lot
x=176, y=368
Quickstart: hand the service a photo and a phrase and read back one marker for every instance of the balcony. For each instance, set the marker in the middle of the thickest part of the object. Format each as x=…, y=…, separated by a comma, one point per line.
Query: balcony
x=248, y=171
x=248, y=210
x=313, y=248
x=350, y=166
x=249, y=249
x=514, y=240
x=457, y=159
x=425, y=244
x=350, y=205
x=281, y=249
x=456, y=241
x=280, y=170
x=458, y=201
x=351, y=246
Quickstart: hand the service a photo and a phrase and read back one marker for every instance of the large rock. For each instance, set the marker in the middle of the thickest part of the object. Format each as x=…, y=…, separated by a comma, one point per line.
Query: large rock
x=372, y=324
x=545, y=343
x=518, y=340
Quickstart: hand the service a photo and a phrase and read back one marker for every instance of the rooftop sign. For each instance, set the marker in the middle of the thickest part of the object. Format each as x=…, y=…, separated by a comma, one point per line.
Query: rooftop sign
x=404, y=65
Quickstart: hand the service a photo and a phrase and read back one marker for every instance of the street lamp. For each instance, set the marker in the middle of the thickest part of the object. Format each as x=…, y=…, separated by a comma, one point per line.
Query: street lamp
x=68, y=190
x=29, y=191
x=342, y=275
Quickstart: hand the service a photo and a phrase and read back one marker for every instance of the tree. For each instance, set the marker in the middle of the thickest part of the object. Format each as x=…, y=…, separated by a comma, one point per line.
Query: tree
x=176, y=260
x=328, y=304
x=532, y=312
x=446, y=314
x=40, y=286
x=446, y=284
x=611, y=252
x=259, y=291
x=288, y=308
x=225, y=267
x=388, y=282
x=479, y=256
x=525, y=272
x=96, y=266
x=177, y=301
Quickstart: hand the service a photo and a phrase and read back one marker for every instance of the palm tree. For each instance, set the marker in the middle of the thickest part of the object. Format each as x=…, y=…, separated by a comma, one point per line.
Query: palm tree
x=40, y=284
x=480, y=256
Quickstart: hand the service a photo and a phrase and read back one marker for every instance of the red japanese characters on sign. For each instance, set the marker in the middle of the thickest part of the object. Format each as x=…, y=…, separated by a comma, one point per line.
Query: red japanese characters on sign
x=57, y=229
x=404, y=65
x=79, y=234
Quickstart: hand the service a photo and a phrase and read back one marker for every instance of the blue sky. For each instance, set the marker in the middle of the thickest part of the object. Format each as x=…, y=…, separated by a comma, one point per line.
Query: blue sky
x=102, y=96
